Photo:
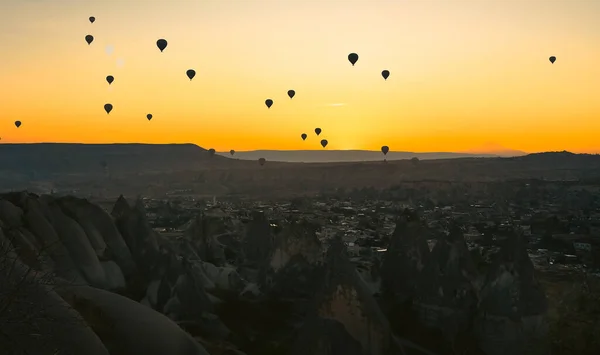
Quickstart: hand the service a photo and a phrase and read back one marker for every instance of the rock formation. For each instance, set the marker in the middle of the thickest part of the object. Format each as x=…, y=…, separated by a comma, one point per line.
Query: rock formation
x=203, y=232
x=33, y=318
x=137, y=233
x=294, y=263
x=446, y=295
x=345, y=298
x=405, y=258
x=127, y=327
x=513, y=306
x=99, y=283
x=258, y=242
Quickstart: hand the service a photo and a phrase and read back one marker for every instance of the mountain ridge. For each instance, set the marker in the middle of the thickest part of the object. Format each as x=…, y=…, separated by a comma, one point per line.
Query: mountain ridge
x=158, y=169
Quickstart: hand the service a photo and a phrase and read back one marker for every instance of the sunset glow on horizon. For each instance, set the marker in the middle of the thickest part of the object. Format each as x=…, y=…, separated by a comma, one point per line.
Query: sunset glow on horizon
x=464, y=74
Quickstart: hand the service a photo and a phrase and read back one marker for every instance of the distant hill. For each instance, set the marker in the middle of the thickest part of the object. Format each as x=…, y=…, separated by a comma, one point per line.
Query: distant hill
x=44, y=158
x=155, y=169
x=66, y=158
x=329, y=156
x=496, y=149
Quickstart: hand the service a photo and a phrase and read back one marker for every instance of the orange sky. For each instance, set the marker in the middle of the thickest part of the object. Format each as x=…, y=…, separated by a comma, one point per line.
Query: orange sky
x=464, y=73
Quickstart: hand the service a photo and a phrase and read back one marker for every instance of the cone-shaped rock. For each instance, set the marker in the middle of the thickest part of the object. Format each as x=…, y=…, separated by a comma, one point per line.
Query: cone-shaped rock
x=10, y=214
x=513, y=306
x=36, y=219
x=73, y=237
x=294, y=266
x=405, y=258
x=258, y=241
x=297, y=238
x=93, y=217
x=203, y=232
x=137, y=233
x=120, y=208
x=345, y=298
x=75, y=208
x=446, y=296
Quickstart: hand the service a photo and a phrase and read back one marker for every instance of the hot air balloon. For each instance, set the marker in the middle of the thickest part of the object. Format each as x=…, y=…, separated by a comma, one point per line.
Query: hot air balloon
x=353, y=58
x=149, y=116
x=211, y=152
x=110, y=79
x=108, y=108
x=303, y=135
x=232, y=152
x=269, y=103
x=92, y=19
x=161, y=44
x=385, y=149
x=261, y=161
x=291, y=94
x=89, y=39
x=18, y=124
x=552, y=59
x=324, y=143
x=317, y=131
x=385, y=74
x=191, y=73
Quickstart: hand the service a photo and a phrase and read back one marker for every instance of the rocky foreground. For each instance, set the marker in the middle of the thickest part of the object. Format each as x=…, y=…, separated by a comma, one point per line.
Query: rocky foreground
x=75, y=279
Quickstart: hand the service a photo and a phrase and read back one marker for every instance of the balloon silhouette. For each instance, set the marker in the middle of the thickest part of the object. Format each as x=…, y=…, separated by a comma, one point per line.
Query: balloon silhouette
x=353, y=58
x=385, y=74
x=149, y=116
x=232, y=152
x=324, y=143
x=110, y=79
x=291, y=94
x=191, y=73
x=317, y=131
x=261, y=161
x=303, y=135
x=161, y=44
x=269, y=103
x=89, y=39
x=18, y=124
x=211, y=152
x=385, y=149
x=552, y=59
x=108, y=108
x=92, y=19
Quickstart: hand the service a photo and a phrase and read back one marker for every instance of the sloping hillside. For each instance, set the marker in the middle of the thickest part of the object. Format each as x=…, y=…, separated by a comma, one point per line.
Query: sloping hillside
x=158, y=169
x=52, y=158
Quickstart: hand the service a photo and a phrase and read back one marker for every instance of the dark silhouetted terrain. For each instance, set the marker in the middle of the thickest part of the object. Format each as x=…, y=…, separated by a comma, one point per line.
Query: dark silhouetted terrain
x=178, y=276
x=158, y=169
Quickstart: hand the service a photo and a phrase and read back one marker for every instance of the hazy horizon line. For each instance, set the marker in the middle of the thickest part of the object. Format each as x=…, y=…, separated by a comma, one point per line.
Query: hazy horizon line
x=473, y=152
